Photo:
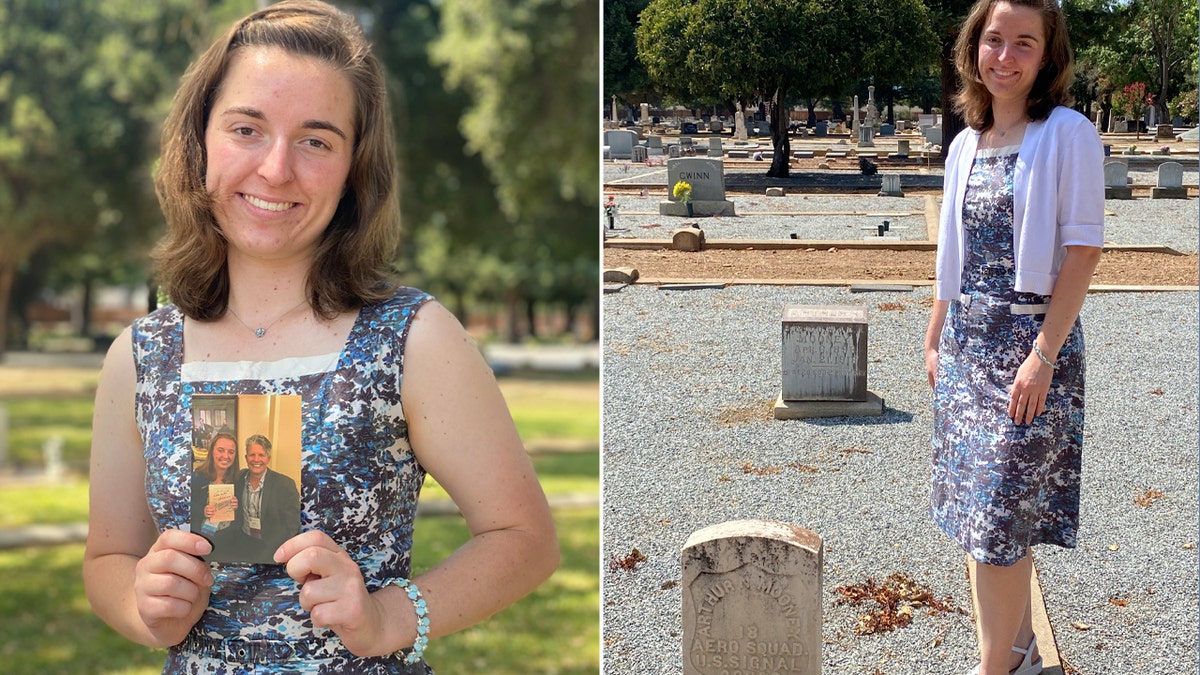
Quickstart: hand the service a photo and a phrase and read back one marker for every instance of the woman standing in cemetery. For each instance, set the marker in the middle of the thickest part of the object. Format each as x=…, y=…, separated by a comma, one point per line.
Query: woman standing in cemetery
x=278, y=180
x=1021, y=230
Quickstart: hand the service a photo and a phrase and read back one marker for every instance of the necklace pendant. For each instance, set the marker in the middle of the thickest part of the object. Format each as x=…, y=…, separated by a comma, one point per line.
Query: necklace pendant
x=259, y=332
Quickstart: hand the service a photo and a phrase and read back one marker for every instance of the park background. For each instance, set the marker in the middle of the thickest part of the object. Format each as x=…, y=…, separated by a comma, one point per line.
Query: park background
x=496, y=140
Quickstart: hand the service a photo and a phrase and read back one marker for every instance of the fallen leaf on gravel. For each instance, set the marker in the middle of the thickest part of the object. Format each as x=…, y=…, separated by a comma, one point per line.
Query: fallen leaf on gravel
x=1189, y=546
x=1118, y=602
x=1114, y=547
x=1079, y=625
x=1157, y=391
x=1148, y=498
x=628, y=563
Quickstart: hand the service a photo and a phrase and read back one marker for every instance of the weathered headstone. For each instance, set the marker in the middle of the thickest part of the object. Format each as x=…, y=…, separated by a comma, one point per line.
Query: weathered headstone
x=689, y=128
x=654, y=146
x=824, y=363
x=639, y=153
x=645, y=114
x=821, y=128
x=714, y=146
x=752, y=599
x=716, y=126
x=1164, y=132
x=903, y=147
x=687, y=239
x=890, y=186
x=776, y=192
x=1116, y=180
x=739, y=126
x=886, y=129
x=1170, y=182
x=706, y=175
x=620, y=143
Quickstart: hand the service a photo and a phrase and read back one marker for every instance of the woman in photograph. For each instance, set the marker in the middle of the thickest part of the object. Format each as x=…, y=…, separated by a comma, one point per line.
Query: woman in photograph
x=1021, y=230
x=220, y=466
x=269, y=505
x=278, y=182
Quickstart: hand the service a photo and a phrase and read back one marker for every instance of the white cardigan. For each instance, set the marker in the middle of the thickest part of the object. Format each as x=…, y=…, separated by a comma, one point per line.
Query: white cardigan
x=1058, y=201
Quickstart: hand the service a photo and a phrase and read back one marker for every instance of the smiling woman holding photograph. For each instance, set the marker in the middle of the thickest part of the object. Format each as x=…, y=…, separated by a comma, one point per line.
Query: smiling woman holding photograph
x=278, y=182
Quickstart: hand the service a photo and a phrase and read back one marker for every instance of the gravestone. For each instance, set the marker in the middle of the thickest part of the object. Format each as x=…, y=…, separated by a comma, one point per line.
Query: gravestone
x=1164, y=132
x=933, y=135
x=706, y=175
x=689, y=128
x=824, y=363
x=856, y=121
x=821, y=128
x=752, y=599
x=776, y=192
x=903, y=147
x=689, y=239
x=901, y=126
x=716, y=126
x=890, y=186
x=714, y=146
x=739, y=126
x=620, y=143
x=1116, y=180
x=887, y=130
x=654, y=146
x=645, y=114
x=1170, y=182
x=639, y=153
x=673, y=150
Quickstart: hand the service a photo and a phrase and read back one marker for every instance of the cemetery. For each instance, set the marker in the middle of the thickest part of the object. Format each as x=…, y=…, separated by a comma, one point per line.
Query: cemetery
x=767, y=418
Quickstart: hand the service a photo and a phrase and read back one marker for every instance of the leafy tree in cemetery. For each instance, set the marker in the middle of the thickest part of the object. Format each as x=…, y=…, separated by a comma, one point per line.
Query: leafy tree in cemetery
x=624, y=75
x=81, y=93
x=779, y=49
x=529, y=68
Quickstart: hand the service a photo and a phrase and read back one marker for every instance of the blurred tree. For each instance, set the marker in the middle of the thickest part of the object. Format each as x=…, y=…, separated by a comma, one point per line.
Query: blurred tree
x=530, y=70
x=81, y=92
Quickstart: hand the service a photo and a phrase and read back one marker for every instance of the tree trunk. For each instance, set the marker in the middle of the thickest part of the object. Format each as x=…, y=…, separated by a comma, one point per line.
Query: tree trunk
x=85, y=322
x=812, y=112
x=781, y=162
x=8, y=274
x=531, y=316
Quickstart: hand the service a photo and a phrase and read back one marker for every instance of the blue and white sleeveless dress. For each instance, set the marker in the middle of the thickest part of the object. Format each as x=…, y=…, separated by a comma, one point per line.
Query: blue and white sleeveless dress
x=1000, y=487
x=359, y=484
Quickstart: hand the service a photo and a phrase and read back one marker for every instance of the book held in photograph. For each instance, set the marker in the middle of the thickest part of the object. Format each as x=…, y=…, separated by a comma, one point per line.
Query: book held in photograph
x=220, y=497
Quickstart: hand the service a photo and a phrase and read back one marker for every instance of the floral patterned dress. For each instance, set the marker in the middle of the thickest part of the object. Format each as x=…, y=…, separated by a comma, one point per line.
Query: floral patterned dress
x=360, y=482
x=1000, y=487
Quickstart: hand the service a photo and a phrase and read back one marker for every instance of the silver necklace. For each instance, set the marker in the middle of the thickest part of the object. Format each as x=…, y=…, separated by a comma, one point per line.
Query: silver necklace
x=262, y=330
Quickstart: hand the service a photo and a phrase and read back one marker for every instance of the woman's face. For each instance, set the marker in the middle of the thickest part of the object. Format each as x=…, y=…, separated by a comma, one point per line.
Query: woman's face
x=1012, y=49
x=224, y=451
x=279, y=140
x=256, y=460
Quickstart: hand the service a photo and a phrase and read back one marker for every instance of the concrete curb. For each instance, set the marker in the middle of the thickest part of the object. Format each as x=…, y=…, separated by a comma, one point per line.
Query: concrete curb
x=1095, y=288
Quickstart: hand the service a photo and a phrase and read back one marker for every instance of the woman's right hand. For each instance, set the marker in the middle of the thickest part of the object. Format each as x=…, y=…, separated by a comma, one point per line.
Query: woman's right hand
x=209, y=511
x=171, y=585
x=931, y=363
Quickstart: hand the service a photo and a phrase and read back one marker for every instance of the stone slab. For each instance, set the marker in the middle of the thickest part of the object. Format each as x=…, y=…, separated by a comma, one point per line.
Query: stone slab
x=752, y=603
x=1165, y=193
x=873, y=288
x=699, y=208
x=799, y=410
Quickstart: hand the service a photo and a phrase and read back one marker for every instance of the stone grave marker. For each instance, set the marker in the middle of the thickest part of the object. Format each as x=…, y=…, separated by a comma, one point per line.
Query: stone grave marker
x=716, y=126
x=645, y=114
x=739, y=126
x=1170, y=182
x=654, y=146
x=824, y=364
x=620, y=143
x=690, y=128
x=752, y=599
x=1164, y=132
x=890, y=186
x=821, y=128
x=886, y=129
x=706, y=175
x=1116, y=180
x=903, y=147
x=714, y=146
x=689, y=239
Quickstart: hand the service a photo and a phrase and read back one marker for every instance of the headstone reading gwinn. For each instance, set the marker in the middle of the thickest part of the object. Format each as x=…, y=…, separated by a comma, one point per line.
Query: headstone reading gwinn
x=706, y=175
x=752, y=599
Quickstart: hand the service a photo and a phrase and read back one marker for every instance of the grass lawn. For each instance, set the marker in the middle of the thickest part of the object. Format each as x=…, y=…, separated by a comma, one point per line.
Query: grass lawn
x=46, y=625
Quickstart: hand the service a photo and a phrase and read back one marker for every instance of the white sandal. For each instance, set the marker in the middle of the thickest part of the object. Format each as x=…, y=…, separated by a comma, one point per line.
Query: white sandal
x=1026, y=667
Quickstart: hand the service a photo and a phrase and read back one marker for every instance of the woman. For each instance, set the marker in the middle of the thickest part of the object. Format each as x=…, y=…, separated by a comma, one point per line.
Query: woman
x=221, y=466
x=1021, y=230
x=270, y=505
x=278, y=181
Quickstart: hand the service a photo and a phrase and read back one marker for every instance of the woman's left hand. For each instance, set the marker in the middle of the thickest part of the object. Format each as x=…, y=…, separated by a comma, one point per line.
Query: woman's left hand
x=332, y=591
x=1027, y=397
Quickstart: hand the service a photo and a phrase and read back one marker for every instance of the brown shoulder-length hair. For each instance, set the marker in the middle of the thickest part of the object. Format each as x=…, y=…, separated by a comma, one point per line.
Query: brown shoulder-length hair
x=353, y=262
x=209, y=467
x=1053, y=83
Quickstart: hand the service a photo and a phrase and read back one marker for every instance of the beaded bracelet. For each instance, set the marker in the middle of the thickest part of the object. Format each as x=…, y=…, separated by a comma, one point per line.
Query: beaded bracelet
x=1038, y=350
x=422, y=640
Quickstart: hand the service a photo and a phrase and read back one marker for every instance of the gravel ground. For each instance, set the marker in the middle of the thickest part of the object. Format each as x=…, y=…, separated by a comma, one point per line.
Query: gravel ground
x=689, y=379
